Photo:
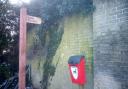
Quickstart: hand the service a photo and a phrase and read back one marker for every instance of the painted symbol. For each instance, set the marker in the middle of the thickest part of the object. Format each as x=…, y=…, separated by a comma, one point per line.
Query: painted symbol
x=74, y=71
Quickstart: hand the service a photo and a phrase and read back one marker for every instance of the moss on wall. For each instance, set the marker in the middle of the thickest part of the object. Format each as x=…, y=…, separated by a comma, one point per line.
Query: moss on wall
x=41, y=51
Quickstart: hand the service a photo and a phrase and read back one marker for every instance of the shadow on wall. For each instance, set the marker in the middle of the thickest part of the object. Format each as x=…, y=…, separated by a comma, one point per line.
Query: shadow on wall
x=104, y=80
x=55, y=33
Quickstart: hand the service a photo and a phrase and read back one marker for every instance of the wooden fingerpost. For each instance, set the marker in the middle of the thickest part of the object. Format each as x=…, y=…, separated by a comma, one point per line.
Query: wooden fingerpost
x=24, y=19
x=22, y=48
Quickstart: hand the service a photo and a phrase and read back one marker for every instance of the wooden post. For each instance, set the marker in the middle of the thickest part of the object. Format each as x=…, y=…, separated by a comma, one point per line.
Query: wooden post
x=24, y=18
x=22, y=48
x=81, y=86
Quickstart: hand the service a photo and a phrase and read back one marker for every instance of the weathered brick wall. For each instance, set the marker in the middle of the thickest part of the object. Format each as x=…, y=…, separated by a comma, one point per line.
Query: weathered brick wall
x=110, y=37
x=76, y=40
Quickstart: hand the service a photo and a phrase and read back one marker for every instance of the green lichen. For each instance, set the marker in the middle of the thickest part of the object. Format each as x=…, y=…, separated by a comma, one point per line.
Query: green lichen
x=55, y=34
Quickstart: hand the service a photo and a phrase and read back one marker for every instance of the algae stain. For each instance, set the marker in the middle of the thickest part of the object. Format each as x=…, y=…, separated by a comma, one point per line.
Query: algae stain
x=55, y=34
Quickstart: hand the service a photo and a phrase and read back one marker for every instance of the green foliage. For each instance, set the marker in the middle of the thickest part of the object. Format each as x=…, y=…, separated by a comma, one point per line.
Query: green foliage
x=4, y=72
x=55, y=34
x=52, y=10
x=9, y=21
x=8, y=25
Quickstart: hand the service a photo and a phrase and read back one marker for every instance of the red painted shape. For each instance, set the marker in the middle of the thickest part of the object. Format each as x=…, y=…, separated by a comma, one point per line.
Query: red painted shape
x=81, y=72
x=22, y=48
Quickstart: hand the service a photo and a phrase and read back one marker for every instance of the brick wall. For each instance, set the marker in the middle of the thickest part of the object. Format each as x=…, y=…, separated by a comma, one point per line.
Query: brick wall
x=110, y=37
x=110, y=48
x=76, y=40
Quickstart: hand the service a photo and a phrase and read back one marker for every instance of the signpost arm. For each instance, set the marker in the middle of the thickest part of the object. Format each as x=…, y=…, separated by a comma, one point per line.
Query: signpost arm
x=22, y=48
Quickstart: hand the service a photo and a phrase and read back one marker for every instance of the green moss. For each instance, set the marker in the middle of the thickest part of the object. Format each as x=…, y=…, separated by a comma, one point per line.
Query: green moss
x=55, y=34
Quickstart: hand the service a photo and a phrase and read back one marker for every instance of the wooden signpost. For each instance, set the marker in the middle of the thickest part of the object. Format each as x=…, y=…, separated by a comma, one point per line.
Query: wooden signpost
x=24, y=18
